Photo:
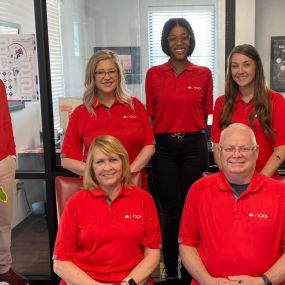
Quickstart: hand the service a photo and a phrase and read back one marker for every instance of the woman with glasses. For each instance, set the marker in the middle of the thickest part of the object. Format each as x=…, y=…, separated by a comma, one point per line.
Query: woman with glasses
x=249, y=101
x=179, y=98
x=108, y=109
x=109, y=232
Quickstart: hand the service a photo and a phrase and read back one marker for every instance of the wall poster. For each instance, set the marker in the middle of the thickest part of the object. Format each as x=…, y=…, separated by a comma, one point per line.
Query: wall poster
x=277, y=64
x=18, y=67
x=130, y=59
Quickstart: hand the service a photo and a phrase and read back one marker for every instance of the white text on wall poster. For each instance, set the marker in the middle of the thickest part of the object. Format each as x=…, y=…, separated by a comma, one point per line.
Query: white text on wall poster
x=18, y=68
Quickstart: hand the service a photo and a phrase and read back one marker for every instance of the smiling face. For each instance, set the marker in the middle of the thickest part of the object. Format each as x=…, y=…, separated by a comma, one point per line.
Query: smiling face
x=243, y=70
x=106, y=77
x=238, y=155
x=179, y=42
x=107, y=170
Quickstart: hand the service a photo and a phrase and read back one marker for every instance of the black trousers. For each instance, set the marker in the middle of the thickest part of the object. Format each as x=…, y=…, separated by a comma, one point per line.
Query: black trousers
x=176, y=165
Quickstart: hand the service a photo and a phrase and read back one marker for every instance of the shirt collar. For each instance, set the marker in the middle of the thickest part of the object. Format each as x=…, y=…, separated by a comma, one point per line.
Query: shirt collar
x=239, y=99
x=98, y=192
x=97, y=104
x=254, y=185
x=168, y=66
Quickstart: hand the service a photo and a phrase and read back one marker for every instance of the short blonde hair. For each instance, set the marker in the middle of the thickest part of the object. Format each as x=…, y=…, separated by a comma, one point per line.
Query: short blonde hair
x=108, y=145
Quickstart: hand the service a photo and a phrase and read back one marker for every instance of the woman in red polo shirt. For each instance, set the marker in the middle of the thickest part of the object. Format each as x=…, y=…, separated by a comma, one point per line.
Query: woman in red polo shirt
x=107, y=109
x=247, y=100
x=109, y=232
x=179, y=98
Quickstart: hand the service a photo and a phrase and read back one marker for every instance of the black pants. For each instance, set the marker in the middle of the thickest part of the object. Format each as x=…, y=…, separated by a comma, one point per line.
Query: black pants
x=176, y=165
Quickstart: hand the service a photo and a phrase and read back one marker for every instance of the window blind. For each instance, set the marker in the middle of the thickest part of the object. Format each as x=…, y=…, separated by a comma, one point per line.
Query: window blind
x=202, y=20
x=56, y=58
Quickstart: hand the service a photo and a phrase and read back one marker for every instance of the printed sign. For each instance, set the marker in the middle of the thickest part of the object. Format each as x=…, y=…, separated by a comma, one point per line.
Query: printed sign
x=18, y=68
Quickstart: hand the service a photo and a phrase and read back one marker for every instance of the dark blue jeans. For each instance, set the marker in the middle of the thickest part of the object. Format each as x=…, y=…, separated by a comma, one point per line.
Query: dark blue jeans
x=176, y=165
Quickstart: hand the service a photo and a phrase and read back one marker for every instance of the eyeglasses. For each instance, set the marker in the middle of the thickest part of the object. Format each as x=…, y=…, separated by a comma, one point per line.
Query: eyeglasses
x=241, y=149
x=102, y=73
x=175, y=39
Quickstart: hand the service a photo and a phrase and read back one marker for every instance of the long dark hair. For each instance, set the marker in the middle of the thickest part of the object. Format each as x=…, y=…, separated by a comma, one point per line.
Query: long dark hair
x=261, y=100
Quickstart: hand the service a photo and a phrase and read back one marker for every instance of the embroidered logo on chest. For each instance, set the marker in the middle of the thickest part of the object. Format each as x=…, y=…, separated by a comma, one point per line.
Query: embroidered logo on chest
x=196, y=88
x=129, y=117
x=258, y=215
x=133, y=216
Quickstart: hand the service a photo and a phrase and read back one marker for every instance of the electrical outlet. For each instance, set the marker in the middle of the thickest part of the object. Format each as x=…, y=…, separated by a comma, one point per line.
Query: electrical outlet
x=20, y=186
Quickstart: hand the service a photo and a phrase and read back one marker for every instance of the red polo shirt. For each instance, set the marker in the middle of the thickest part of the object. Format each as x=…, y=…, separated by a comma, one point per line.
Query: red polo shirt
x=235, y=237
x=179, y=103
x=107, y=239
x=7, y=144
x=130, y=126
x=241, y=115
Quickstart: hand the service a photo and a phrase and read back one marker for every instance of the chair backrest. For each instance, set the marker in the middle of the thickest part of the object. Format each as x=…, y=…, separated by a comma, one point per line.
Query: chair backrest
x=65, y=187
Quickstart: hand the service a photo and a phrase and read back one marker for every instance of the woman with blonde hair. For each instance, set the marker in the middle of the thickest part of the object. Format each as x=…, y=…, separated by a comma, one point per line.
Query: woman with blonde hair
x=109, y=232
x=107, y=109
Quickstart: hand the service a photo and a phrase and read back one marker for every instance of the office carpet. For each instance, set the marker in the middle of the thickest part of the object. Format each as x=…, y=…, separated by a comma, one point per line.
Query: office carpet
x=30, y=247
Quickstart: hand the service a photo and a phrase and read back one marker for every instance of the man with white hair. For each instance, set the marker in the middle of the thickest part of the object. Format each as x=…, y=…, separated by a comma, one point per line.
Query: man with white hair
x=233, y=224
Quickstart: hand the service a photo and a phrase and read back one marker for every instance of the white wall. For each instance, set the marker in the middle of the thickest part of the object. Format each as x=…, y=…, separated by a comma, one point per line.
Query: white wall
x=73, y=11
x=269, y=22
x=20, y=12
x=245, y=22
x=118, y=26
x=26, y=122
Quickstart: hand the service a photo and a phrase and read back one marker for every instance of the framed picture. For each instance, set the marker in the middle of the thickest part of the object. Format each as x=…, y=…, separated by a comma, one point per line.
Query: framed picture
x=277, y=64
x=130, y=59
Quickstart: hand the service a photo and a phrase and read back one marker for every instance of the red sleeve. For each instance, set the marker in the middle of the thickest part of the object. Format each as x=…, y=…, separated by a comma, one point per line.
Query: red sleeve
x=216, y=130
x=148, y=133
x=208, y=105
x=278, y=116
x=72, y=146
x=7, y=124
x=66, y=239
x=152, y=236
x=150, y=104
x=189, y=231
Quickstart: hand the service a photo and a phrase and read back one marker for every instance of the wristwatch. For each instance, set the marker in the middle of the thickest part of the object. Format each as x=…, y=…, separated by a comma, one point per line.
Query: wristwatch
x=266, y=280
x=130, y=282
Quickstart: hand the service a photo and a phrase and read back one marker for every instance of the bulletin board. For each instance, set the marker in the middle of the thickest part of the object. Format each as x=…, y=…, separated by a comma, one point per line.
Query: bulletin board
x=18, y=69
x=277, y=64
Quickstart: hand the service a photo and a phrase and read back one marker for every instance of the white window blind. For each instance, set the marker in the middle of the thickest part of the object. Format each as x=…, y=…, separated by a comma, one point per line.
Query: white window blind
x=202, y=20
x=56, y=58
